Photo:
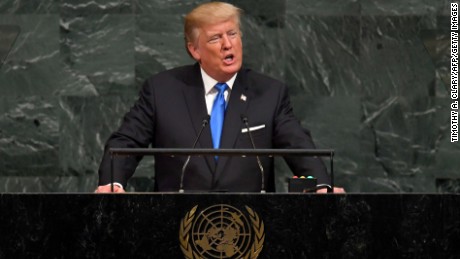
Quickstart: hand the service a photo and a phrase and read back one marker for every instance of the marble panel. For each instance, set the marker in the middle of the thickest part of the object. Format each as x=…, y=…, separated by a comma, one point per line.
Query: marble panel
x=395, y=28
x=330, y=131
x=264, y=48
x=29, y=134
x=445, y=7
x=400, y=8
x=86, y=123
x=397, y=61
x=402, y=139
x=100, y=48
x=447, y=164
x=444, y=185
x=85, y=7
x=34, y=58
x=29, y=7
x=325, y=7
x=8, y=35
x=159, y=45
x=437, y=44
x=270, y=14
x=322, y=55
x=334, y=123
x=35, y=65
x=153, y=7
x=443, y=21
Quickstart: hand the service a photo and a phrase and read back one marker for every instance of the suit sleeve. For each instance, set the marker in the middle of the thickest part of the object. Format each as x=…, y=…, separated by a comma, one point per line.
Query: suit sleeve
x=289, y=134
x=136, y=131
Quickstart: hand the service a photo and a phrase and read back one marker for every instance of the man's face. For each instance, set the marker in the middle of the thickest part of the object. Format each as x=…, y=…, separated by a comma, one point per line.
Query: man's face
x=219, y=49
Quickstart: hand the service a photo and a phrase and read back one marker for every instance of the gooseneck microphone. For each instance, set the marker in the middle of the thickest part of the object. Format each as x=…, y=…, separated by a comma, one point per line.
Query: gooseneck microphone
x=324, y=186
x=203, y=125
x=245, y=121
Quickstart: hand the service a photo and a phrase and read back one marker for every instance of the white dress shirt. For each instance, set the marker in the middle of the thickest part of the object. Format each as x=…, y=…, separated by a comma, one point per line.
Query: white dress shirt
x=210, y=93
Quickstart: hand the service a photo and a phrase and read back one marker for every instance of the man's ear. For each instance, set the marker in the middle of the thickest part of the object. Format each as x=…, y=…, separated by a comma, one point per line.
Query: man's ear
x=194, y=51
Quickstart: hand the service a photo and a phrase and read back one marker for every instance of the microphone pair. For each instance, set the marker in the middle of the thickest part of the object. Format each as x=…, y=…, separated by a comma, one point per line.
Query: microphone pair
x=203, y=125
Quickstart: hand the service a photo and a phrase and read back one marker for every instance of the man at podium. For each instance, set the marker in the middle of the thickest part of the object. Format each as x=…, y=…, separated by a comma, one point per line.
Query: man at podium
x=216, y=103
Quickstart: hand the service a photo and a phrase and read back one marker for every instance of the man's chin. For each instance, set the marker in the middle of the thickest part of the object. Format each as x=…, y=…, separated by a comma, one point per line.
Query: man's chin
x=224, y=73
x=231, y=69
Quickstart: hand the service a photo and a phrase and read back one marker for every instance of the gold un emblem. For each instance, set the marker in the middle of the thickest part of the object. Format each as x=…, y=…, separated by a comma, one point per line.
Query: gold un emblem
x=221, y=231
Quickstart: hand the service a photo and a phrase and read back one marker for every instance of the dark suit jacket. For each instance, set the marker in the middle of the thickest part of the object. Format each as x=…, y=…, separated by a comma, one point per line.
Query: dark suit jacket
x=169, y=114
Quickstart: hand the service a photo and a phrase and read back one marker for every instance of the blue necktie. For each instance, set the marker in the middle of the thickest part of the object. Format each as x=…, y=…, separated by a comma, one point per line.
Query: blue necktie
x=218, y=114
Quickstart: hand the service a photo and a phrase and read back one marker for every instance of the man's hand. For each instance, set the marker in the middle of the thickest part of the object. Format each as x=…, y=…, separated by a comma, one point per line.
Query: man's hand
x=107, y=189
x=336, y=190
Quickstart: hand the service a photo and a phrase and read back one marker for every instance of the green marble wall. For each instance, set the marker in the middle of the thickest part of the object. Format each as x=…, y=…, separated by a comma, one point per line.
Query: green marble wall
x=370, y=79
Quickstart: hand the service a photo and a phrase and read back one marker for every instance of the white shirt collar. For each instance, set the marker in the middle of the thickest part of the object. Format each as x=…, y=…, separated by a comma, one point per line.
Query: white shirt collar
x=210, y=82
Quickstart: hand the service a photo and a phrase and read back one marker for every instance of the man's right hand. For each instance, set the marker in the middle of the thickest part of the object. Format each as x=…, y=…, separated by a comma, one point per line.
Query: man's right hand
x=108, y=189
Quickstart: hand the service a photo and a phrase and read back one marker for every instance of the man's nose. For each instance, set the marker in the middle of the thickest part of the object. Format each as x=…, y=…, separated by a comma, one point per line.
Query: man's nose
x=227, y=43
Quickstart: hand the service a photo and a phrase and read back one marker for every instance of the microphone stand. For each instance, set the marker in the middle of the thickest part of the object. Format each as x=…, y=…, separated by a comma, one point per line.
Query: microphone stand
x=203, y=125
x=245, y=121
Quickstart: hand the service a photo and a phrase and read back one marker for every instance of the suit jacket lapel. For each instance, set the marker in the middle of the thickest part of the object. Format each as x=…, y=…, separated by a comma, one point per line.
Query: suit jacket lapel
x=194, y=97
x=232, y=124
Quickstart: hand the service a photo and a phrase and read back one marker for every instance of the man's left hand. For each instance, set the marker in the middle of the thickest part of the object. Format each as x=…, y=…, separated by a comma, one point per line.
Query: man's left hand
x=336, y=190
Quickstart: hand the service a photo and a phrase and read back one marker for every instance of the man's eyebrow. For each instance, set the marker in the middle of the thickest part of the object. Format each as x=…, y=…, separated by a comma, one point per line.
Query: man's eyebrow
x=211, y=34
x=215, y=32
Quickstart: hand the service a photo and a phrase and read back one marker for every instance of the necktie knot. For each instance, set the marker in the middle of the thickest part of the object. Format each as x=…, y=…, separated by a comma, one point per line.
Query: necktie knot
x=221, y=87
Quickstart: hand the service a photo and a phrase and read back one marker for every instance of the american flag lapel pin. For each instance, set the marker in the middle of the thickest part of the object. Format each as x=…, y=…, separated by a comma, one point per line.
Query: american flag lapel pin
x=243, y=98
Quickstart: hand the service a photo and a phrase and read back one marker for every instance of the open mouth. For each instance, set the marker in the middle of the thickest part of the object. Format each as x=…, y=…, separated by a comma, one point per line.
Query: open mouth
x=229, y=58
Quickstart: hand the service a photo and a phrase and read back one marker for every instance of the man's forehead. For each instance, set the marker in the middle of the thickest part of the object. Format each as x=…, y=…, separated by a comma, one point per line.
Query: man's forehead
x=219, y=27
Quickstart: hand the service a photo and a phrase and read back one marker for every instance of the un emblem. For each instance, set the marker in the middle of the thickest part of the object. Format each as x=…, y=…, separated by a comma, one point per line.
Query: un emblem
x=221, y=231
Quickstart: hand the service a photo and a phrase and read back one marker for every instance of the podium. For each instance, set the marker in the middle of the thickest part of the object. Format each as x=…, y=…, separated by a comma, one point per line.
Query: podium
x=228, y=225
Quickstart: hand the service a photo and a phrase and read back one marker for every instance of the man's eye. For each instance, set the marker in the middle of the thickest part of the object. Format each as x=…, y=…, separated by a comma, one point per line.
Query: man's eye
x=233, y=33
x=214, y=39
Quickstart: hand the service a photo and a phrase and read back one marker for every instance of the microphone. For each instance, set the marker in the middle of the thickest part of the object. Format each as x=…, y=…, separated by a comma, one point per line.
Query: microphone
x=324, y=186
x=306, y=184
x=245, y=121
x=319, y=187
x=203, y=125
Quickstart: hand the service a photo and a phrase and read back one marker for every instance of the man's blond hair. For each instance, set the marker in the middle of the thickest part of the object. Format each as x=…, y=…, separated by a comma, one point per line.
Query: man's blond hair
x=208, y=14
